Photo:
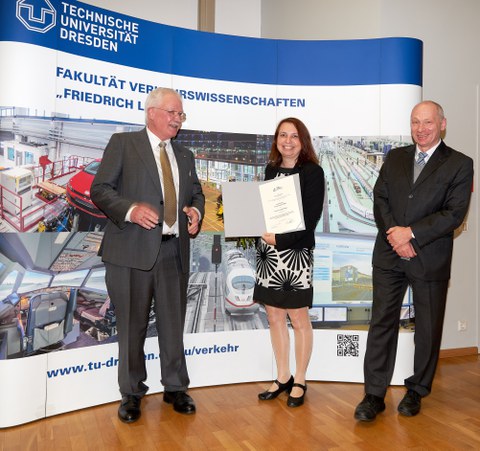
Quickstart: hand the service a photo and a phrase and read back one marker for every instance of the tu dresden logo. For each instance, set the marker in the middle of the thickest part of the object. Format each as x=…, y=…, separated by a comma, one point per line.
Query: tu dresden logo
x=36, y=15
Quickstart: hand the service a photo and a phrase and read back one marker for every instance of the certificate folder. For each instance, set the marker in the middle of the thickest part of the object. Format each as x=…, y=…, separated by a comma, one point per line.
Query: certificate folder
x=252, y=208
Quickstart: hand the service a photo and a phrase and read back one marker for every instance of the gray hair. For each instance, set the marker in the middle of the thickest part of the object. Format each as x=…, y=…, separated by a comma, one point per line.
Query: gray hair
x=155, y=98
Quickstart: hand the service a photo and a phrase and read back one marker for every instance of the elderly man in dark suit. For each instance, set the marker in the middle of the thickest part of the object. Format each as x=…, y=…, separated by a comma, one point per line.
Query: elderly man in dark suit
x=421, y=196
x=148, y=188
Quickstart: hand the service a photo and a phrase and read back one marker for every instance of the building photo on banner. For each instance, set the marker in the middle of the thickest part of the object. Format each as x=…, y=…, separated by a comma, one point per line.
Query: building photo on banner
x=58, y=335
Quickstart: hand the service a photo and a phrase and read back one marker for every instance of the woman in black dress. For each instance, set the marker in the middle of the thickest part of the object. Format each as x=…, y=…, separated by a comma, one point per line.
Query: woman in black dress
x=285, y=261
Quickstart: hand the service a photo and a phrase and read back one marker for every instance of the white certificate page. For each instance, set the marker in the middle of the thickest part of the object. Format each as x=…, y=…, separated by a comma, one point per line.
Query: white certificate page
x=282, y=204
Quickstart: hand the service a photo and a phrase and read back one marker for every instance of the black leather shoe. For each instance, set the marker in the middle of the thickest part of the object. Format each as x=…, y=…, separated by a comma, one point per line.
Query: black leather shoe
x=410, y=404
x=369, y=407
x=129, y=410
x=297, y=402
x=182, y=402
x=268, y=395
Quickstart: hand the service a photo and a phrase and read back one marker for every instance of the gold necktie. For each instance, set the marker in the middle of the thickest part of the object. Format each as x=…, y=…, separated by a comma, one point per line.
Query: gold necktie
x=169, y=195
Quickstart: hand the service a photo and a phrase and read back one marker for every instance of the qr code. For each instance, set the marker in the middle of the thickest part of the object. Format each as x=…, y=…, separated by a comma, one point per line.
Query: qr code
x=347, y=345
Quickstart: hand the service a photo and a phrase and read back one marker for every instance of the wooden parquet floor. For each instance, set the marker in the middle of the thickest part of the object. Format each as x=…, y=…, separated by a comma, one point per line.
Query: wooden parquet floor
x=231, y=418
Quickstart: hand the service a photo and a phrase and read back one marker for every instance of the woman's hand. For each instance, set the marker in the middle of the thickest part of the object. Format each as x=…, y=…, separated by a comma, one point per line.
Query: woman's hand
x=269, y=238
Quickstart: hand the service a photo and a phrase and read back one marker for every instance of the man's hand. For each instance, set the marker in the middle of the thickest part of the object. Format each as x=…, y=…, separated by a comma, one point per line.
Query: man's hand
x=145, y=216
x=406, y=251
x=399, y=238
x=193, y=220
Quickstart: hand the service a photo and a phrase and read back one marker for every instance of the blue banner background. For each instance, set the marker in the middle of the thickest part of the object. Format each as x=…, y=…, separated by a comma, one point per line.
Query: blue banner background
x=168, y=49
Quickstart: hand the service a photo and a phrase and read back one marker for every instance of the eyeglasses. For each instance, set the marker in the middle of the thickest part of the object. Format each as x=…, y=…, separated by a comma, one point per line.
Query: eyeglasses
x=181, y=115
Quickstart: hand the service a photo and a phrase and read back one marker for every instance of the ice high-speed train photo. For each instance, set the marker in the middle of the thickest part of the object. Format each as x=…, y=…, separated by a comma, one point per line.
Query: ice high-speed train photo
x=239, y=281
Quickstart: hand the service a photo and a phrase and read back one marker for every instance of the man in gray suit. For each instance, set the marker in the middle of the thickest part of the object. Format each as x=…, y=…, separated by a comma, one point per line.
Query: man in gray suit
x=421, y=196
x=147, y=255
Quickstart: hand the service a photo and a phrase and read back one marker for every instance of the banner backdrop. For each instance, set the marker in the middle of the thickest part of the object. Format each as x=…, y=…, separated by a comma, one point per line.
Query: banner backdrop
x=73, y=74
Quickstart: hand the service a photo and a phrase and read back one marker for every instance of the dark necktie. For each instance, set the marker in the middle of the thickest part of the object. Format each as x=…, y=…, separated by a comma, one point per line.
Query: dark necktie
x=169, y=195
x=421, y=158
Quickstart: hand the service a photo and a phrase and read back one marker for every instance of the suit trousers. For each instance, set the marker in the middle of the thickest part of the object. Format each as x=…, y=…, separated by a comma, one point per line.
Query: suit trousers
x=131, y=292
x=429, y=299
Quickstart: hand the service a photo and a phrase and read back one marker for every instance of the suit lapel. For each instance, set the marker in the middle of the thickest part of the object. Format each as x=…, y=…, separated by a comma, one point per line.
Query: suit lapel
x=438, y=158
x=144, y=150
x=145, y=154
x=408, y=163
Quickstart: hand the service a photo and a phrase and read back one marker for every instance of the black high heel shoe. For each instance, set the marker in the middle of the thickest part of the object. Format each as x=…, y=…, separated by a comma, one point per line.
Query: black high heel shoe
x=268, y=395
x=297, y=402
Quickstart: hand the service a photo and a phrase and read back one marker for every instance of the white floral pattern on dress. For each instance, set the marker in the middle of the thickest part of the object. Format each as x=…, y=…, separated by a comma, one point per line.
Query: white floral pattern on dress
x=288, y=270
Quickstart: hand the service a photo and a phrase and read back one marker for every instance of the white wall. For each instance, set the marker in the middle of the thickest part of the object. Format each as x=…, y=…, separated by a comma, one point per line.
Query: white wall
x=321, y=19
x=241, y=18
x=450, y=34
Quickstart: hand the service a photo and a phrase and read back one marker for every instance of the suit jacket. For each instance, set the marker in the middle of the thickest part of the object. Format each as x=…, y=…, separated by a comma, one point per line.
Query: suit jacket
x=312, y=187
x=434, y=206
x=128, y=173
